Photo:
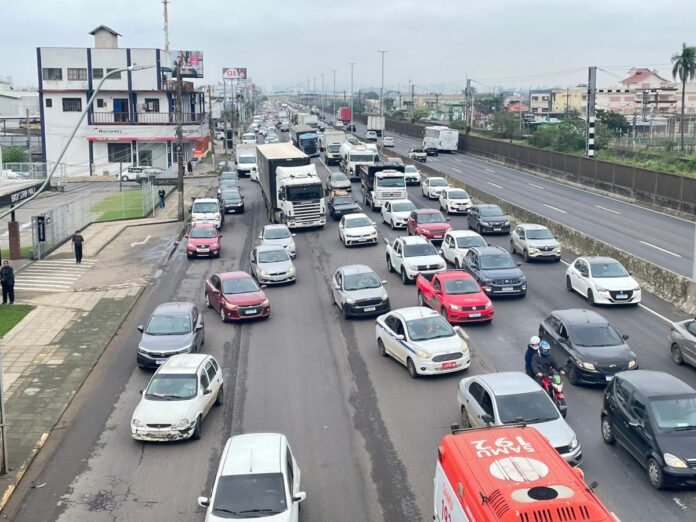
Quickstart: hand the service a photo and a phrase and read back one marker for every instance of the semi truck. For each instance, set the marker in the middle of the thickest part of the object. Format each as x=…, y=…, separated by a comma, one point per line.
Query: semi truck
x=245, y=158
x=305, y=138
x=353, y=155
x=331, y=145
x=382, y=182
x=376, y=123
x=291, y=189
x=344, y=114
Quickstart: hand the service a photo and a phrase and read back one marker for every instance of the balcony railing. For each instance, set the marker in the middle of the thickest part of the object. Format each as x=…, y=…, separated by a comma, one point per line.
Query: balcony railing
x=145, y=118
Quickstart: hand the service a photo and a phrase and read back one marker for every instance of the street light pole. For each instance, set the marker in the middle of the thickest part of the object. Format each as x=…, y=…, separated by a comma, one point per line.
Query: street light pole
x=381, y=89
x=350, y=127
x=334, y=93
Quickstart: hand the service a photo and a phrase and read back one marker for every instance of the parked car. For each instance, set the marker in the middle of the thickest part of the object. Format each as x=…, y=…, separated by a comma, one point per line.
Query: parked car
x=653, y=416
x=338, y=181
x=423, y=341
x=497, y=399
x=387, y=141
x=342, y=204
x=412, y=175
x=203, y=239
x=236, y=296
x=410, y=256
x=488, y=218
x=456, y=296
x=395, y=212
x=587, y=345
x=357, y=229
x=258, y=477
x=358, y=291
x=602, y=280
x=432, y=187
x=455, y=200
x=534, y=242
x=173, y=328
x=427, y=223
x=271, y=264
x=496, y=271
x=231, y=201
x=279, y=234
x=682, y=338
x=457, y=243
x=178, y=397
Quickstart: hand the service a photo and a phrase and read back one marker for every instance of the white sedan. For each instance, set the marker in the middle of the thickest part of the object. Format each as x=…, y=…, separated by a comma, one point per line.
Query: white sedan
x=457, y=243
x=423, y=341
x=357, y=229
x=387, y=141
x=602, y=280
x=395, y=212
x=455, y=200
x=432, y=187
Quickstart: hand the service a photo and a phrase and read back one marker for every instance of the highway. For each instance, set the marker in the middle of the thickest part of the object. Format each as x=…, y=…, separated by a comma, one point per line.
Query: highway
x=663, y=239
x=364, y=433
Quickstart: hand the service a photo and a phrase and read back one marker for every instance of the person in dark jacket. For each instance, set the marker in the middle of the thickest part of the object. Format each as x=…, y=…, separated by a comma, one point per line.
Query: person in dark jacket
x=532, y=349
x=543, y=364
x=189, y=166
x=7, y=281
x=77, y=241
x=162, y=194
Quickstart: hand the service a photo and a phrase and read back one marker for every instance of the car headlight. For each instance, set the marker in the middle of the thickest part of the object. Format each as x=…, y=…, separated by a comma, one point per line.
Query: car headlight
x=350, y=301
x=523, y=278
x=485, y=223
x=181, y=425
x=673, y=461
x=601, y=289
x=488, y=305
x=636, y=289
x=532, y=250
x=265, y=302
x=230, y=306
x=412, y=266
x=574, y=443
x=456, y=308
x=557, y=248
x=587, y=366
x=423, y=355
x=385, y=297
x=506, y=223
x=215, y=246
x=136, y=423
x=264, y=273
x=632, y=364
x=292, y=270
x=291, y=246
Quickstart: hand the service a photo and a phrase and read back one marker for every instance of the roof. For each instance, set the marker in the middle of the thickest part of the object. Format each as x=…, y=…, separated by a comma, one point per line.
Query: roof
x=580, y=315
x=356, y=269
x=414, y=240
x=206, y=200
x=202, y=225
x=239, y=274
x=436, y=177
x=415, y=312
x=640, y=74
x=600, y=259
x=183, y=363
x=490, y=250
x=357, y=215
x=280, y=151
x=392, y=201
x=455, y=274
x=508, y=383
x=487, y=205
x=104, y=28
x=268, y=248
x=532, y=226
x=655, y=384
x=454, y=189
x=275, y=226
x=174, y=307
x=463, y=233
x=253, y=453
x=427, y=211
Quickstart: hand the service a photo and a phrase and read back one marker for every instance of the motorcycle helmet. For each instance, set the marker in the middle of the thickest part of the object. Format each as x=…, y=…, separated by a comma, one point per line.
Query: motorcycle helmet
x=534, y=341
x=544, y=348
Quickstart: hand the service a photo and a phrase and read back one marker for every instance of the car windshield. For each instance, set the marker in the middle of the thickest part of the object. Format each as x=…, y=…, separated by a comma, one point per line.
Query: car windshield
x=229, y=183
x=458, y=194
x=403, y=207
x=362, y=158
x=172, y=387
x=338, y=177
x=249, y=136
x=427, y=328
x=230, y=195
x=491, y=211
x=203, y=232
x=438, y=182
x=497, y=261
x=674, y=413
x=461, y=286
x=273, y=256
x=168, y=325
x=334, y=147
x=249, y=496
x=392, y=182
x=361, y=281
x=277, y=233
x=419, y=250
x=608, y=269
x=539, y=233
x=229, y=175
x=205, y=208
x=470, y=242
x=247, y=159
x=529, y=407
x=358, y=222
x=410, y=169
x=596, y=335
x=430, y=217
x=239, y=286
x=345, y=200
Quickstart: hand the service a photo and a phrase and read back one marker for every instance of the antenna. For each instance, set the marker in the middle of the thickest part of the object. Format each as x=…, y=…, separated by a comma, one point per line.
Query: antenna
x=166, y=25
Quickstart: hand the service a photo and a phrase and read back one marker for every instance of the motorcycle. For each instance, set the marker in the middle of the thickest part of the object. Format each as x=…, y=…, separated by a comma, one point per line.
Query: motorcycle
x=553, y=385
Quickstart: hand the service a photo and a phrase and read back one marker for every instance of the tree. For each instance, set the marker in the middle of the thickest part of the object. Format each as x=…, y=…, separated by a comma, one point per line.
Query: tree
x=684, y=67
x=388, y=104
x=544, y=136
x=570, y=137
x=14, y=155
x=506, y=124
x=616, y=123
x=371, y=95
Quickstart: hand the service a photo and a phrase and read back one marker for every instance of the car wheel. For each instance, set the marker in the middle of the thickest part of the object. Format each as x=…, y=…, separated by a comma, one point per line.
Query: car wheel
x=198, y=429
x=404, y=277
x=222, y=314
x=411, y=369
x=391, y=224
x=464, y=421
x=590, y=298
x=421, y=301
x=380, y=348
x=525, y=255
x=607, y=431
x=390, y=268
x=677, y=356
x=657, y=479
x=512, y=248
x=458, y=263
x=346, y=314
x=569, y=285
x=444, y=314
x=220, y=396
x=572, y=374
x=207, y=301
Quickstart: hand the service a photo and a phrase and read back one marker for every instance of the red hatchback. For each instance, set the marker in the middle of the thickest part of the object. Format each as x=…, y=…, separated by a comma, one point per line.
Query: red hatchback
x=236, y=296
x=203, y=240
x=428, y=223
x=456, y=295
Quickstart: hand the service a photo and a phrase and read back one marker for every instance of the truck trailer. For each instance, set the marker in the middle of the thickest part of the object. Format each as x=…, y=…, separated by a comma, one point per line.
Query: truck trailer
x=305, y=138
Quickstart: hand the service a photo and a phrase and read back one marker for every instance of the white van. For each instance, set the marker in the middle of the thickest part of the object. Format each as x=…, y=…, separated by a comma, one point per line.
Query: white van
x=207, y=210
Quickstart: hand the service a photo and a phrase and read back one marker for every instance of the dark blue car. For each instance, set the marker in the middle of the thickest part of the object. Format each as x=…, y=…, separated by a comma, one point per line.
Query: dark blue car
x=496, y=271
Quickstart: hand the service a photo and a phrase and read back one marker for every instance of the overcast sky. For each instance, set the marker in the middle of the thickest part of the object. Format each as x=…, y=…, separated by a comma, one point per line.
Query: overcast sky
x=435, y=43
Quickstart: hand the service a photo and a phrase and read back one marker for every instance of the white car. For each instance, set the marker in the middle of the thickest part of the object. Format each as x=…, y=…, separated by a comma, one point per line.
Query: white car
x=455, y=200
x=412, y=175
x=395, y=212
x=179, y=396
x=431, y=188
x=387, y=141
x=249, y=137
x=602, y=280
x=423, y=341
x=279, y=235
x=258, y=477
x=357, y=229
x=534, y=242
x=207, y=210
x=457, y=243
x=413, y=255
x=370, y=136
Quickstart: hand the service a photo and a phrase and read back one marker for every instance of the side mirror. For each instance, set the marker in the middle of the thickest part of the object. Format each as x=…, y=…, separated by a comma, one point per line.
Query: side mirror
x=141, y=328
x=219, y=235
x=459, y=330
x=207, y=392
x=293, y=235
x=518, y=263
x=440, y=252
x=299, y=497
x=141, y=391
x=187, y=236
x=384, y=281
x=199, y=327
x=448, y=219
x=203, y=501
x=624, y=337
x=399, y=337
x=263, y=287
x=487, y=419
x=337, y=286
x=260, y=236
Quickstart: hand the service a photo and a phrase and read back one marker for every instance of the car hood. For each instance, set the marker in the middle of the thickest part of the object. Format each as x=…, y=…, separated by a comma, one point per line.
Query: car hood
x=284, y=242
x=165, y=343
x=502, y=273
x=231, y=201
x=486, y=219
x=557, y=432
x=201, y=241
x=478, y=299
x=537, y=243
x=434, y=227
x=365, y=293
x=440, y=346
x=285, y=516
x=425, y=260
x=616, y=283
x=346, y=206
x=164, y=412
x=359, y=231
x=402, y=215
x=466, y=201
x=605, y=354
x=246, y=299
x=681, y=444
x=340, y=184
x=201, y=216
x=281, y=266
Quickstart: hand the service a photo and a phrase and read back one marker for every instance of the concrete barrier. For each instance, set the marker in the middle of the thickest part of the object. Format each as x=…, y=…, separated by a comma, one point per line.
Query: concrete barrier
x=668, y=285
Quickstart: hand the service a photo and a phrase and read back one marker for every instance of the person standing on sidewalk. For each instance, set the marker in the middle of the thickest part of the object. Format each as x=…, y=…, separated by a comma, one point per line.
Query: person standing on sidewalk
x=161, y=193
x=7, y=281
x=77, y=241
x=189, y=166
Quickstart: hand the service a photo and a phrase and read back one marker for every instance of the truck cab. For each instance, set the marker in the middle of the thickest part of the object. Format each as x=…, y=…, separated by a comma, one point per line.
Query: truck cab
x=382, y=182
x=353, y=156
x=300, y=196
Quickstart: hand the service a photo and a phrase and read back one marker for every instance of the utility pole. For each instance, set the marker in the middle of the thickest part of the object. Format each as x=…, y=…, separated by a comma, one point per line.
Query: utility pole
x=179, y=142
x=350, y=128
x=413, y=102
x=322, y=98
x=381, y=89
x=224, y=111
x=211, y=127
x=334, y=92
x=166, y=26
x=470, y=106
x=591, y=92
x=28, y=138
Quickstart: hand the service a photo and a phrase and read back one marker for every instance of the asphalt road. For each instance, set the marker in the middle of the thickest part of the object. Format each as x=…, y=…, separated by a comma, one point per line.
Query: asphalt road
x=665, y=240
x=364, y=434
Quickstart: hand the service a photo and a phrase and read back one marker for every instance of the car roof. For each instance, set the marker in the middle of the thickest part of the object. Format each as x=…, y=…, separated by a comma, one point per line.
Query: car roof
x=580, y=316
x=173, y=307
x=405, y=200
x=490, y=250
x=427, y=211
x=600, y=259
x=488, y=205
x=455, y=274
x=276, y=226
x=532, y=226
x=653, y=383
x=354, y=216
x=463, y=233
x=415, y=312
x=266, y=248
x=253, y=453
x=436, y=177
x=508, y=383
x=414, y=240
x=202, y=225
x=451, y=189
x=239, y=274
x=183, y=363
x=356, y=269
x=206, y=200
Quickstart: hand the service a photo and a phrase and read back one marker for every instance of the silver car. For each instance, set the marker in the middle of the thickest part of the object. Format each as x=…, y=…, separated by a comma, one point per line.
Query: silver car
x=513, y=397
x=534, y=242
x=682, y=340
x=271, y=264
x=358, y=291
x=278, y=235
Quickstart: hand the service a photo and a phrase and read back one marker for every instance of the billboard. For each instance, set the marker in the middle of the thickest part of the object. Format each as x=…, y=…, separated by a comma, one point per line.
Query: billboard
x=234, y=73
x=190, y=63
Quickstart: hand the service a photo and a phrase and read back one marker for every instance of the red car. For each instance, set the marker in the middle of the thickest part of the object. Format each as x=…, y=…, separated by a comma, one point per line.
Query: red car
x=456, y=295
x=236, y=296
x=429, y=223
x=203, y=240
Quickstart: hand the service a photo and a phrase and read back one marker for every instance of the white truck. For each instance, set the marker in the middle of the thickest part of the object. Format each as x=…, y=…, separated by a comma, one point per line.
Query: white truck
x=382, y=182
x=353, y=155
x=311, y=120
x=245, y=159
x=331, y=142
x=439, y=138
x=376, y=124
x=409, y=256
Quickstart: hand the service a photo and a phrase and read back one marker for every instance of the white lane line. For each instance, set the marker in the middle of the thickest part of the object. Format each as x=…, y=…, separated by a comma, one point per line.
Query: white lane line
x=491, y=183
x=456, y=170
x=556, y=209
x=660, y=249
x=536, y=186
x=458, y=160
x=608, y=210
x=490, y=170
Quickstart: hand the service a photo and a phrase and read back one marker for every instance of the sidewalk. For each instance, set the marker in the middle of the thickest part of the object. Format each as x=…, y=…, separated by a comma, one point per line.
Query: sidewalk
x=49, y=354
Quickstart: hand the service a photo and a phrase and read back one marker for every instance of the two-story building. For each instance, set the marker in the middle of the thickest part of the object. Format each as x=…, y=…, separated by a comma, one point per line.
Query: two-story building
x=541, y=101
x=133, y=119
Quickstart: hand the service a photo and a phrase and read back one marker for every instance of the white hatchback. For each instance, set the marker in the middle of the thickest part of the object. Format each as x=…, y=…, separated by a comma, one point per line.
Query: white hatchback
x=455, y=200
x=457, y=243
x=432, y=187
x=395, y=212
x=602, y=280
x=357, y=229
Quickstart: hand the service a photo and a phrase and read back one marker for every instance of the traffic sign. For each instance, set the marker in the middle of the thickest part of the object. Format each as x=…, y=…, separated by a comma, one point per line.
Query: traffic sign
x=41, y=226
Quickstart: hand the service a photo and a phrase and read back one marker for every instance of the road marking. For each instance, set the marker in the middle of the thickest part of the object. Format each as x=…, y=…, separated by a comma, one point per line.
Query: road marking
x=134, y=243
x=679, y=503
x=157, y=274
x=660, y=248
x=608, y=210
x=458, y=160
x=49, y=275
x=536, y=186
x=456, y=170
x=498, y=186
x=556, y=209
x=490, y=170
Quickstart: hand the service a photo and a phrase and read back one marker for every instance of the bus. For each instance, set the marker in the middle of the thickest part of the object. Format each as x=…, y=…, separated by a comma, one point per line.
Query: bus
x=509, y=474
x=439, y=138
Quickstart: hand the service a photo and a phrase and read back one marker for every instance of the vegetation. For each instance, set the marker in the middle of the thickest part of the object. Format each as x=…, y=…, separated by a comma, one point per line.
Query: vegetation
x=120, y=205
x=24, y=252
x=11, y=316
x=14, y=155
x=684, y=67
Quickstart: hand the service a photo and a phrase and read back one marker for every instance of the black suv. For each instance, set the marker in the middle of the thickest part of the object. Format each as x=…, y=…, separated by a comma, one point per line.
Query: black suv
x=653, y=416
x=496, y=271
x=488, y=218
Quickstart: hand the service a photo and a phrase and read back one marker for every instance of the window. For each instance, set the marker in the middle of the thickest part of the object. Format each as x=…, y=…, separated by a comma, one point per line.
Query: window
x=481, y=396
x=152, y=105
x=553, y=323
x=116, y=76
x=691, y=327
x=210, y=370
x=50, y=73
x=638, y=409
x=436, y=285
x=98, y=74
x=49, y=102
x=391, y=322
x=290, y=472
x=205, y=383
x=119, y=152
x=77, y=74
x=101, y=103
x=72, y=104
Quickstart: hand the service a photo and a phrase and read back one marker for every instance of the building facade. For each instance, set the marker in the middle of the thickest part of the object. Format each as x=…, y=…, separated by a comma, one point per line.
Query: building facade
x=540, y=101
x=133, y=118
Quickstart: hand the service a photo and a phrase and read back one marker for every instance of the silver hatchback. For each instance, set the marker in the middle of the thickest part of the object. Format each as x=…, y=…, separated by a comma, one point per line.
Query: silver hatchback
x=358, y=291
x=271, y=264
x=682, y=339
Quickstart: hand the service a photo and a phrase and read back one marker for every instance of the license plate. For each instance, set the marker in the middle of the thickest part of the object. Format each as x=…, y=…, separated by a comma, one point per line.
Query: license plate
x=497, y=229
x=609, y=377
x=437, y=237
x=621, y=296
x=475, y=314
x=451, y=364
x=160, y=361
x=249, y=312
x=507, y=289
x=370, y=308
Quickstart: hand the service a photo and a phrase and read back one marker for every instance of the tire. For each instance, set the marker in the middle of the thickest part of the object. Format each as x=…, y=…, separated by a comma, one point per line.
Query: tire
x=207, y=301
x=655, y=475
x=525, y=255
x=346, y=314
x=457, y=263
x=590, y=298
x=572, y=374
x=607, y=431
x=404, y=277
x=198, y=430
x=569, y=285
x=412, y=372
x=512, y=248
x=220, y=396
x=677, y=355
x=391, y=224
x=390, y=268
x=380, y=348
x=443, y=313
x=464, y=418
x=421, y=301
x=222, y=314
x=561, y=405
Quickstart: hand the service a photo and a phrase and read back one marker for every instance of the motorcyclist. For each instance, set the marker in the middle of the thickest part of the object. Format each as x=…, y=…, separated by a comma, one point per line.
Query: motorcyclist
x=532, y=349
x=543, y=364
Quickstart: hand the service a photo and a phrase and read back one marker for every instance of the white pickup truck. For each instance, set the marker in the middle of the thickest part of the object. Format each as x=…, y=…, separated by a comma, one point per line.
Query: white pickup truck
x=413, y=255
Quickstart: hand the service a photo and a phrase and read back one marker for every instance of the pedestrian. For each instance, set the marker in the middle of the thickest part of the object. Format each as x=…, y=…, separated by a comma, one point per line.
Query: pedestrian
x=77, y=241
x=189, y=166
x=161, y=193
x=7, y=281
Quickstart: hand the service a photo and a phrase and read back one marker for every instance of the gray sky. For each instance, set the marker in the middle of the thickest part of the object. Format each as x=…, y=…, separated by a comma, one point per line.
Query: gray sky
x=436, y=43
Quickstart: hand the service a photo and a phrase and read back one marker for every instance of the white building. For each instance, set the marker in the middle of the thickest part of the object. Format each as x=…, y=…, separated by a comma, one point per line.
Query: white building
x=132, y=120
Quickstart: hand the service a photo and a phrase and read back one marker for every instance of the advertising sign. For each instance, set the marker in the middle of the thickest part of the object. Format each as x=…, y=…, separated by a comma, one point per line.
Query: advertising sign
x=234, y=73
x=190, y=63
x=41, y=226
